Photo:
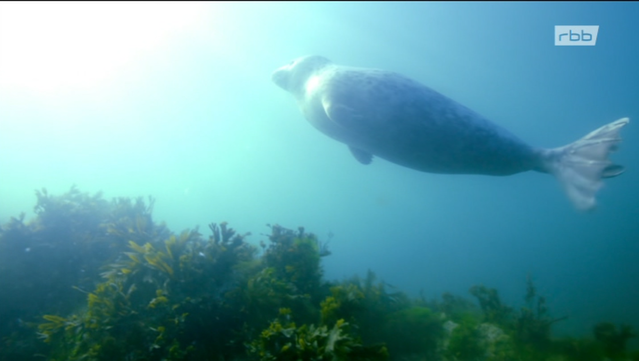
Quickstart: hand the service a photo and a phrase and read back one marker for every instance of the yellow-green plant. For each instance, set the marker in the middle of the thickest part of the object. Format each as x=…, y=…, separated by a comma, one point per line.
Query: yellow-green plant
x=142, y=310
x=345, y=302
x=283, y=341
x=166, y=297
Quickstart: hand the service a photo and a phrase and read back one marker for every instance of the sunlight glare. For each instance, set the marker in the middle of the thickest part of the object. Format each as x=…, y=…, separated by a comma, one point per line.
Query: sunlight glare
x=53, y=46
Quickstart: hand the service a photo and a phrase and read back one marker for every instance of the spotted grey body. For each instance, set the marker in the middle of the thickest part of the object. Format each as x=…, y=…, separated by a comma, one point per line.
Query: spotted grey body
x=382, y=113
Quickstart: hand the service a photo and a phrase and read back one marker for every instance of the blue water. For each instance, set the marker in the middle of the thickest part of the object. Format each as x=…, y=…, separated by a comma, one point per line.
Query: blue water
x=194, y=120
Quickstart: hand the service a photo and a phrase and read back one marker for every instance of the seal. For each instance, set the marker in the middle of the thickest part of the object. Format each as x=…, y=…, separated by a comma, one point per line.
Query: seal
x=385, y=114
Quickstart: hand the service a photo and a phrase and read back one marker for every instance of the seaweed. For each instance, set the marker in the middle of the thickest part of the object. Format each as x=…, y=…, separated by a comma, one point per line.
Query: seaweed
x=295, y=257
x=283, y=340
x=144, y=308
x=613, y=341
x=414, y=331
x=489, y=301
x=464, y=340
x=42, y=260
x=90, y=279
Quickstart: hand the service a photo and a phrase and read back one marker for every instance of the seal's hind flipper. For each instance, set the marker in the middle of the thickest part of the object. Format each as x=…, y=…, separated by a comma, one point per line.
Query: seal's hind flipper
x=581, y=165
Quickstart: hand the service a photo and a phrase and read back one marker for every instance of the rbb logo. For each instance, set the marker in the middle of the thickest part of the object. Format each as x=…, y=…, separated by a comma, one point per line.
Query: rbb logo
x=576, y=35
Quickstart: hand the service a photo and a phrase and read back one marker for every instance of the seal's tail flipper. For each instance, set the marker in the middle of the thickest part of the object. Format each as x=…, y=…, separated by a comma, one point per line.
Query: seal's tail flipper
x=581, y=165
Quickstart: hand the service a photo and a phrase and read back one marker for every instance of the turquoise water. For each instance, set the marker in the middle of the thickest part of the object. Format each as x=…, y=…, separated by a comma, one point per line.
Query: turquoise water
x=186, y=112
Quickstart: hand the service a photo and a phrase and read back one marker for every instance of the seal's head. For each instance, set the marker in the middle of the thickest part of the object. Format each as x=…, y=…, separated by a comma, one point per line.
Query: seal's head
x=292, y=77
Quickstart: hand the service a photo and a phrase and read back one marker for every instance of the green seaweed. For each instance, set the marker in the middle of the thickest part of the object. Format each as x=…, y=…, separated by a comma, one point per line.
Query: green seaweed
x=465, y=341
x=91, y=279
x=613, y=341
x=283, y=340
x=295, y=257
x=493, y=309
x=414, y=331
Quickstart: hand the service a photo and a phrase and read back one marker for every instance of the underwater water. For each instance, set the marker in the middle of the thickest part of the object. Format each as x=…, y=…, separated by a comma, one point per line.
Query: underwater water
x=175, y=101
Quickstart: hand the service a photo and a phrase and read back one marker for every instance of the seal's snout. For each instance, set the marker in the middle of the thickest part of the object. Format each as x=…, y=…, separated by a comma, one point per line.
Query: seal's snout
x=280, y=78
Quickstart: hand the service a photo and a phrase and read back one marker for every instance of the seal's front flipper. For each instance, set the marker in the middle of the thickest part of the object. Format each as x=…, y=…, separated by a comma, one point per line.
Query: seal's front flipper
x=348, y=118
x=361, y=156
x=581, y=165
x=343, y=115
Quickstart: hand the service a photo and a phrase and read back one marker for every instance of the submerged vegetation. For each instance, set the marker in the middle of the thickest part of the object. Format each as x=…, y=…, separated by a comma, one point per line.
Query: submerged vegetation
x=90, y=279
